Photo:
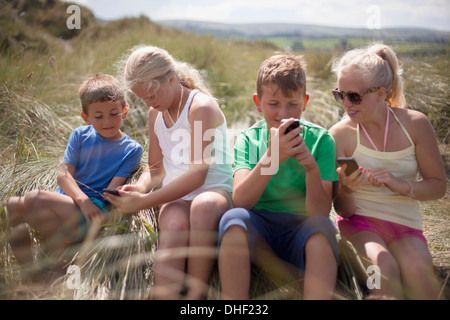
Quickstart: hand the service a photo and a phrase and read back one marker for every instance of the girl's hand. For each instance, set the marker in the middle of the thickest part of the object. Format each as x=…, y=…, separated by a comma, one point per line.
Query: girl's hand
x=127, y=202
x=352, y=182
x=380, y=176
x=132, y=187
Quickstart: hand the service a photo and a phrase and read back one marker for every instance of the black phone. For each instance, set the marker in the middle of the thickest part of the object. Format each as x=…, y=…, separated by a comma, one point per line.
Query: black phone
x=292, y=126
x=112, y=191
x=351, y=163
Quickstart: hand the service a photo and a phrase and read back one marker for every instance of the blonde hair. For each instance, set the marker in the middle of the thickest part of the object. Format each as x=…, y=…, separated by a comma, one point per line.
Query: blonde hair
x=101, y=88
x=146, y=66
x=285, y=71
x=379, y=64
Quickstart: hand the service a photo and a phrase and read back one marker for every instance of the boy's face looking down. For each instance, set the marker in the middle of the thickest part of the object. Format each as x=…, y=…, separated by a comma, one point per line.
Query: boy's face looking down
x=275, y=105
x=106, y=118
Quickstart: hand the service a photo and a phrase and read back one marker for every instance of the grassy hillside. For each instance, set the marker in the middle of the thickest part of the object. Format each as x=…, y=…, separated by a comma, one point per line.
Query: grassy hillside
x=42, y=66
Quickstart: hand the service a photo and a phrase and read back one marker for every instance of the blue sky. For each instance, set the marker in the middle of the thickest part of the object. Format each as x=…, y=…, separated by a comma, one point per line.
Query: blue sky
x=432, y=14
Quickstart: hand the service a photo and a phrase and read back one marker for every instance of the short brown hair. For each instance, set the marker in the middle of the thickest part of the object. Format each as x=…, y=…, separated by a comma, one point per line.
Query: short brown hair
x=285, y=71
x=101, y=88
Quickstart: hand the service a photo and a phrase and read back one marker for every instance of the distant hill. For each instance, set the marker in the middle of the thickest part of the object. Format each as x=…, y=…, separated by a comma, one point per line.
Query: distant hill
x=260, y=30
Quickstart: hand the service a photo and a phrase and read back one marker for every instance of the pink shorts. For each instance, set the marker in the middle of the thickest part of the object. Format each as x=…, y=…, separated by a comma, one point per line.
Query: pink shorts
x=388, y=231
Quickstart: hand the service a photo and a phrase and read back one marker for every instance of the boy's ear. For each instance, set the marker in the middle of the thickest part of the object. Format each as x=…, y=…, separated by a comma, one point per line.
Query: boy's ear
x=124, y=111
x=85, y=118
x=305, y=102
x=257, y=102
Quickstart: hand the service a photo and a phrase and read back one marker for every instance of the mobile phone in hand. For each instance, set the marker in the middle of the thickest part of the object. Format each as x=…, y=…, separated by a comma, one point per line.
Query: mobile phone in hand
x=292, y=126
x=112, y=191
x=351, y=163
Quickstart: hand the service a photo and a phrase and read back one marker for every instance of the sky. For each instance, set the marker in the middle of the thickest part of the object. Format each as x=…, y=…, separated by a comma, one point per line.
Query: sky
x=431, y=14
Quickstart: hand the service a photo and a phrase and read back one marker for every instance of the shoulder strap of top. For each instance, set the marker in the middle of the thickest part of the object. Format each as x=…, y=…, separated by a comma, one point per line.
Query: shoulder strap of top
x=401, y=126
x=187, y=106
x=357, y=135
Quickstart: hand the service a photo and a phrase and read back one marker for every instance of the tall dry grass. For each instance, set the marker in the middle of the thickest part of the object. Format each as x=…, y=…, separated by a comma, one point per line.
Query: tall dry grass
x=39, y=107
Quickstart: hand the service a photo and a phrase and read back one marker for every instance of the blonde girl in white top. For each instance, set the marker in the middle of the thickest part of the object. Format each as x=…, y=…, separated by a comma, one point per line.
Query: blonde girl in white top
x=188, y=154
x=379, y=204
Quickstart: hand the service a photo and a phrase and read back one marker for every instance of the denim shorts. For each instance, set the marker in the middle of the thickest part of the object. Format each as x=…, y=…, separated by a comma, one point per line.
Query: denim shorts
x=285, y=233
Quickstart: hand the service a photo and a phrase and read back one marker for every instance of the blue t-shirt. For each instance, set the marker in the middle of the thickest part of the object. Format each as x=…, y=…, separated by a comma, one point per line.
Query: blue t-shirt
x=98, y=160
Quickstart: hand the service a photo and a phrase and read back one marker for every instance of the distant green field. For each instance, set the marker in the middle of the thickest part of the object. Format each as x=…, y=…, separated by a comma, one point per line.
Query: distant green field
x=297, y=43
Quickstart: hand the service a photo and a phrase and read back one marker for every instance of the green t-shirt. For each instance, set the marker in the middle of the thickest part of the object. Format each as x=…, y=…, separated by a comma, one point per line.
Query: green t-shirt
x=286, y=190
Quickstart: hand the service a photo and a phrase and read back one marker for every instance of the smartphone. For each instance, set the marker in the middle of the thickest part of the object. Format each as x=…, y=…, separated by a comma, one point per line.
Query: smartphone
x=351, y=163
x=112, y=191
x=292, y=126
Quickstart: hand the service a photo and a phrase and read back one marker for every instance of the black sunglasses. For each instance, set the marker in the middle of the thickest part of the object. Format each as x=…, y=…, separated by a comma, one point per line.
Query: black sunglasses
x=353, y=97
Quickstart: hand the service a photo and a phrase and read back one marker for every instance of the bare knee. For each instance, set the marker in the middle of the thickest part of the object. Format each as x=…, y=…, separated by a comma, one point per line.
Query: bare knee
x=174, y=225
x=174, y=217
x=33, y=200
x=318, y=244
x=235, y=236
x=206, y=210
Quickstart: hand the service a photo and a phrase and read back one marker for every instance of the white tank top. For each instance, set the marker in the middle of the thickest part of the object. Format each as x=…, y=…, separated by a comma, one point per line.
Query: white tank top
x=175, y=144
x=380, y=202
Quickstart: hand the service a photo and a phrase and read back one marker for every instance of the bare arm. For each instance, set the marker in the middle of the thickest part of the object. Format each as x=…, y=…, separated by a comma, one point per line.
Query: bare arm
x=433, y=183
x=153, y=173
x=68, y=184
x=204, y=113
x=318, y=191
x=343, y=189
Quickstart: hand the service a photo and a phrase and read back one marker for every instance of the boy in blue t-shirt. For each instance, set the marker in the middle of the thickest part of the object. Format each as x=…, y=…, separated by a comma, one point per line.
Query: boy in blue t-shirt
x=282, y=190
x=98, y=155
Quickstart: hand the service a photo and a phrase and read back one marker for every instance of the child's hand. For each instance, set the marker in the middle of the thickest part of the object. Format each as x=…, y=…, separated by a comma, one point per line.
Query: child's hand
x=288, y=143
x=132, y=187
x=303, y=155
x=380, y=176
x=91, y=212
x=127, y=202
x=352, y=182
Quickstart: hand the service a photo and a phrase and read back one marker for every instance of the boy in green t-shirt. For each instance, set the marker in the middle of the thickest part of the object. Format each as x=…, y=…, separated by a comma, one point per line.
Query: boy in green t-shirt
x=282, y=190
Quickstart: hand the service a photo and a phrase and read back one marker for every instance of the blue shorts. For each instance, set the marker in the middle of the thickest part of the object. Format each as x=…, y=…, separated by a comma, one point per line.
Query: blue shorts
x=83, y=227
x=285, y=233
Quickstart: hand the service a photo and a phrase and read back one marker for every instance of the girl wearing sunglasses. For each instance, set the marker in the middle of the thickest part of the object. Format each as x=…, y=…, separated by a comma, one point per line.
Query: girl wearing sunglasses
x=379, y=203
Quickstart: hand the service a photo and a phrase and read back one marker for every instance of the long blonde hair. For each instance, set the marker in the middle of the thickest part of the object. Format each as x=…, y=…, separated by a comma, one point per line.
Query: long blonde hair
x=379, y=63
x=149, y=65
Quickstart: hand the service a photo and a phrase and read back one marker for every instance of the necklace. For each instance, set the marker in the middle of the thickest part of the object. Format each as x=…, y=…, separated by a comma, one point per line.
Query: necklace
x=179, y=106
x=385, y=132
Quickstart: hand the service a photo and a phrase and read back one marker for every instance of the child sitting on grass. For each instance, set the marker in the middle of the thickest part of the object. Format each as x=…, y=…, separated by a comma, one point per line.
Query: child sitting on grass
x=282, y=190
x=378, y=205
x=97, y=156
